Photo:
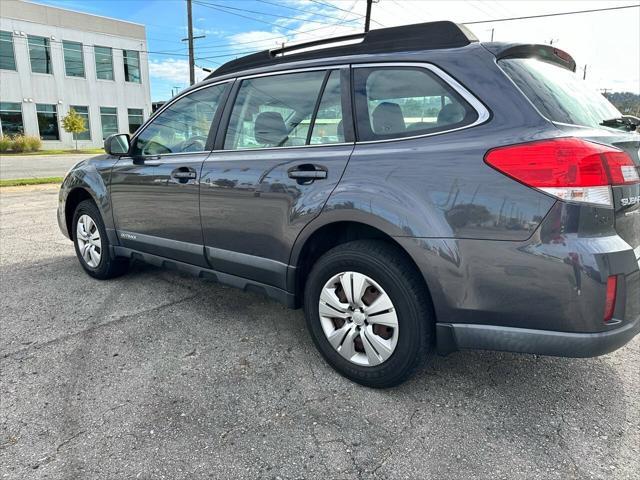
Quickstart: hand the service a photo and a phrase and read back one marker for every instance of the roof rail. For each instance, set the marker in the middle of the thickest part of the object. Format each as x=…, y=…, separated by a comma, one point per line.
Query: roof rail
x=419, y=36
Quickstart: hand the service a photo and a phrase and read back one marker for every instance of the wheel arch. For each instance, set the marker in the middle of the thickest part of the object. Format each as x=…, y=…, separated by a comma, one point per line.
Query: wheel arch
x=316, y=242
x=74, y=198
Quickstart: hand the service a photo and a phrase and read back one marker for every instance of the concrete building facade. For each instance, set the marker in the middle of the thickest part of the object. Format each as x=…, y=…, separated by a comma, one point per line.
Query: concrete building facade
x=52, y=60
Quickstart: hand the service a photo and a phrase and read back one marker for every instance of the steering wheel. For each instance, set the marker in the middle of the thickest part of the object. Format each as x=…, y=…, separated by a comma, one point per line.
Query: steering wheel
x=194, y=144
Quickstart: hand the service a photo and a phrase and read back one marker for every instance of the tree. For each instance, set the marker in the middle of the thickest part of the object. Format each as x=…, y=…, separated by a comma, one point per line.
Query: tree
x=74, y=123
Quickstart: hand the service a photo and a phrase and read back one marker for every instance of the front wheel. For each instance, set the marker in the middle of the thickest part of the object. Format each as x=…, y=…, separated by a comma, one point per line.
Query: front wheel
x=369, y=313
x=92, y=245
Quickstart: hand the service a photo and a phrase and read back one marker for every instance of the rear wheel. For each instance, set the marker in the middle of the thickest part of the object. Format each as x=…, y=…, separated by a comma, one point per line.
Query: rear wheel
x=92, y=245
x=369, y=313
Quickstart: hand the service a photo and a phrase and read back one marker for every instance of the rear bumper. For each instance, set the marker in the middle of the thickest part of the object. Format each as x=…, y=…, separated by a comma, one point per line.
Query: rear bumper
x=453, y=337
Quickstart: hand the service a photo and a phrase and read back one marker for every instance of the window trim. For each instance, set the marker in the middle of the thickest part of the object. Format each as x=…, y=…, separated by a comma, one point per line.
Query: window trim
x=64, y=61
x=48, y=39
x=100, y=107
x=13, y=47
x=125, y=66
x=88, y=122
x=95, y=65
x=218, y=116
x=21, y=117
x=477, y=105
x=57, y=112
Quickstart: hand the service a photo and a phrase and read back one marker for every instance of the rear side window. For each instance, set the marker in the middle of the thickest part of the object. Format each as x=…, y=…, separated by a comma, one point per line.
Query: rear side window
x=278, y=111
x=558, y=93
x=396, y=102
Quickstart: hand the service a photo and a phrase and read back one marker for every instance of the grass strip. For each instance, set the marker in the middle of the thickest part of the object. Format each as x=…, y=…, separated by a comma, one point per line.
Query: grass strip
x=15, y=182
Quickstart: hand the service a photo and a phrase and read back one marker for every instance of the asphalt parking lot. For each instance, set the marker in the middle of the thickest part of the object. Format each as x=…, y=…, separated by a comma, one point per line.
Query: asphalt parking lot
x=159, y=375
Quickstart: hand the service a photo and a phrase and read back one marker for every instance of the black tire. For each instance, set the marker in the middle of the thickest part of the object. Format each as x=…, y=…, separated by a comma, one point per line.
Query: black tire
x=108, y=266
x=398, y=277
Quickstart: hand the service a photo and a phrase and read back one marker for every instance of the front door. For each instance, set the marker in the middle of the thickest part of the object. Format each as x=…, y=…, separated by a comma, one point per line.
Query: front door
x=155, y=191
x=281, y=156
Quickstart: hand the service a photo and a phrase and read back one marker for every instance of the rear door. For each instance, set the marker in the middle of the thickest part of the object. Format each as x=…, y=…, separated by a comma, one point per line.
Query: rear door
x=288, y=141
x=155, y=191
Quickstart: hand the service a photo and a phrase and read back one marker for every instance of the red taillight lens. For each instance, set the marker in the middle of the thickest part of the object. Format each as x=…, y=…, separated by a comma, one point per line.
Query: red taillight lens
x=610, y=301
x=567, y=168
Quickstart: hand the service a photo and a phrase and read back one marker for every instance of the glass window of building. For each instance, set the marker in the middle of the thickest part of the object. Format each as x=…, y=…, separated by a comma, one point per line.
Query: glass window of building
x=131, y=60
x=48, y=121
x=84, y=113
x=104, y=63
x=109, y=120
x=73, y=59
x=7, y=57
x=135, y=119
x=11, y=118
x=40, y=54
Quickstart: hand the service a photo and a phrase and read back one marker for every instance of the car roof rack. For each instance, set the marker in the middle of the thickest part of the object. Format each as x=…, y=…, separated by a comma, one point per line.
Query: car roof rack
x=419, y=36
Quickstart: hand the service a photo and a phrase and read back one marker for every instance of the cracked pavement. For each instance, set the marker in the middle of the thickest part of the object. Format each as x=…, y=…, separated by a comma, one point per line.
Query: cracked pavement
x=160, y=375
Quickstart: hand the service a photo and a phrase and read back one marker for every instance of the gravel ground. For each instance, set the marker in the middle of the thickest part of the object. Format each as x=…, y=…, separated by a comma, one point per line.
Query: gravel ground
x=159, y=375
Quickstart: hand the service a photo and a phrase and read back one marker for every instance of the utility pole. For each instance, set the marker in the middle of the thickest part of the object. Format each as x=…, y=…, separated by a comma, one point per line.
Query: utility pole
x=492, y=30
x=192, y=62
x=190, y=38
x=367, y=19
x=584, y=72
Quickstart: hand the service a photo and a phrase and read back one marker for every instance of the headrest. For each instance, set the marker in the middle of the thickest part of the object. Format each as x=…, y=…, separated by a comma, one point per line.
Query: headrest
x=269, y=129
x=451, y=113
x=388, y=119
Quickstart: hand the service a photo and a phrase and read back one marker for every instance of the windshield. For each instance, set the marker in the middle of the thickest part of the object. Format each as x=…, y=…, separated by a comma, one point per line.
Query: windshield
x=558, y=93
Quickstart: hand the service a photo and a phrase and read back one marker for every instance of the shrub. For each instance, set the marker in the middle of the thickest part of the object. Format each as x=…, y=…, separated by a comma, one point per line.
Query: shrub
x=5, y=143
x=33, y=143
x=19, y=144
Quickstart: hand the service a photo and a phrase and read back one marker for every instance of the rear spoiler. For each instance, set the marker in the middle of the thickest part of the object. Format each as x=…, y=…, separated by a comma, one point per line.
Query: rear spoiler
x=546, y=53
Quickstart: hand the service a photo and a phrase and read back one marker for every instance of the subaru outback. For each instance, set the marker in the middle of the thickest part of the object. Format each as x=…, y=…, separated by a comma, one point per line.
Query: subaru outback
x=413, y=189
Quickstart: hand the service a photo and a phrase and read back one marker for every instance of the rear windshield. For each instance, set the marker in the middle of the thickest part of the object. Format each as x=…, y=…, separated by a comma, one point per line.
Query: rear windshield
x=559, y=94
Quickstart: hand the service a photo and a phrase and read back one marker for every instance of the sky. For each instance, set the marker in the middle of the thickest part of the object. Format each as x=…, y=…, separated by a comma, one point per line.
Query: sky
x=608, y=43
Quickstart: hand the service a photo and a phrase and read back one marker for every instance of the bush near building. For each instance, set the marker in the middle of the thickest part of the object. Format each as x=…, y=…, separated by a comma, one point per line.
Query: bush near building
x=20, y=143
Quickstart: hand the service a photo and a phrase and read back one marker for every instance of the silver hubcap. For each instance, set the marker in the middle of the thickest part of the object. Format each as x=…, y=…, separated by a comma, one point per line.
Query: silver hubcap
x=89, y=243
x=358, y=318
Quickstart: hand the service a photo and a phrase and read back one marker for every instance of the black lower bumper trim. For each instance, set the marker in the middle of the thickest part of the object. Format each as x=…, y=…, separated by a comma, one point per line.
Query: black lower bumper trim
x=457, y=336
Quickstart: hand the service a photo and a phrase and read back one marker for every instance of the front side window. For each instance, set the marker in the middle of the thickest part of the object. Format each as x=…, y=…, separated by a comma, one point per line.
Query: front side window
x=274, y=111
x=109, y=121
x=84, y=113
x=73, y=59
x=131, y=60
x=40, y=54
x=183, y=126
x=396, y=102
x=7, y=57
x=104, y=63
x=48, y=121
x=11, y=118
x=135, y=119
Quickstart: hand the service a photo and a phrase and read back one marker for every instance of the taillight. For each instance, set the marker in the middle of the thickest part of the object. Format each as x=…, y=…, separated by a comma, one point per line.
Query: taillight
x=610, y=300
x=570, y=169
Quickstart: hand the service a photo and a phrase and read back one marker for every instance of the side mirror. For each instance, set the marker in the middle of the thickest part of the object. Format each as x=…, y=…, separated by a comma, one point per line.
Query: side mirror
x=117, y=144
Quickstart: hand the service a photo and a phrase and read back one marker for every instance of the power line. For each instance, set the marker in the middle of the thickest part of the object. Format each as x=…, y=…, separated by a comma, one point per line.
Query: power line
x=303, y=10
x=343, y=10
x=550, y=14
x=263, y=13
x=245, y=16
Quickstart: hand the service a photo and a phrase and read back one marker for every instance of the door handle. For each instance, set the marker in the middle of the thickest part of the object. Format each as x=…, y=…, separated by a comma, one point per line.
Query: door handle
x=307, y=172
x=184, y=174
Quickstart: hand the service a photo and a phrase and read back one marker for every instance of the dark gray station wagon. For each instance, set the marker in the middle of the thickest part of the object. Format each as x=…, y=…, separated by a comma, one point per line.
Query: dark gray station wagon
x=411, y=188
